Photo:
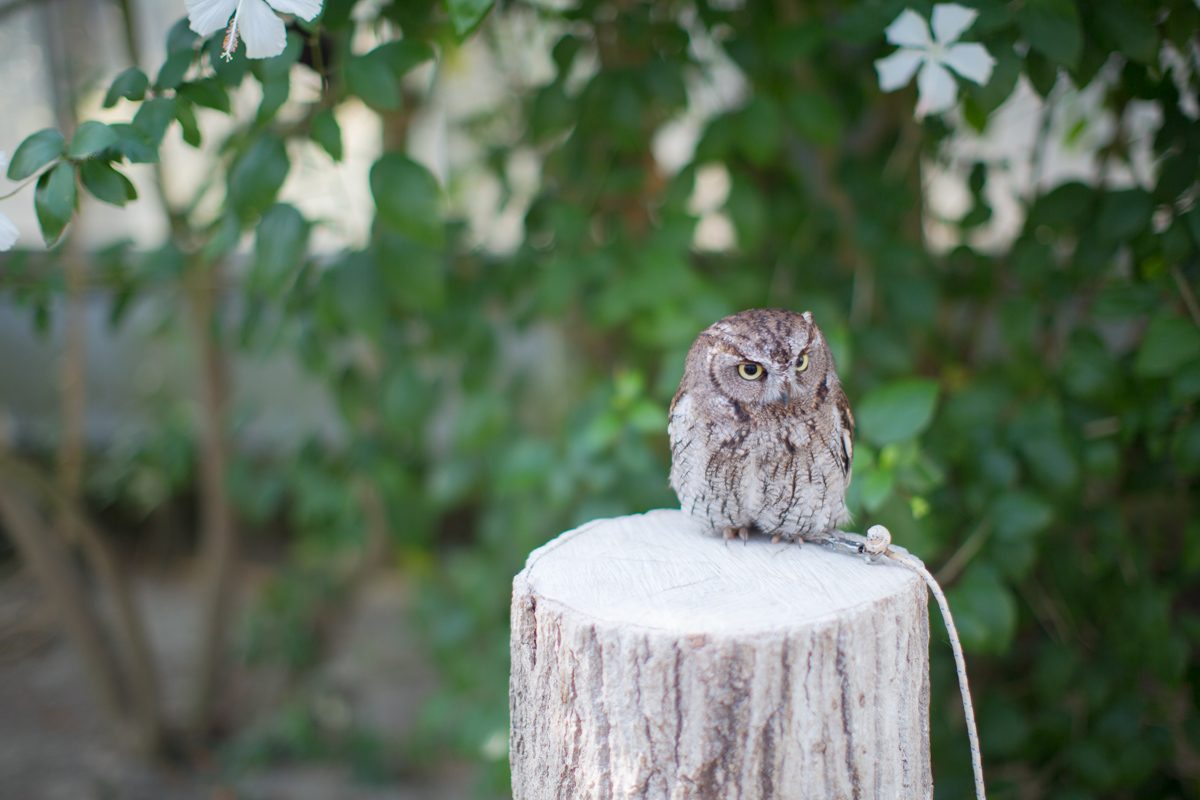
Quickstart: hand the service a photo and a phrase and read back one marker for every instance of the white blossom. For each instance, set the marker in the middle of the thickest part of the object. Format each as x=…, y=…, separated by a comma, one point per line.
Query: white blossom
x=937, y=90
x=8, y=231
x=254, y=21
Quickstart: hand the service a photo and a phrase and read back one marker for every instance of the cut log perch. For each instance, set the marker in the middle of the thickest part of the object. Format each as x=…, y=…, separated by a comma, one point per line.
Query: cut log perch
x=650, y=660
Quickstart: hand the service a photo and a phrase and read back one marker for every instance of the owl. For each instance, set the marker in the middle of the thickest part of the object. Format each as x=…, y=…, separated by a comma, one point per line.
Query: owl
x=761, y=433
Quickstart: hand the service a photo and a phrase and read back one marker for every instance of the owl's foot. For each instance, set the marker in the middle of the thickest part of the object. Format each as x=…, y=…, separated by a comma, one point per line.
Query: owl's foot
x=781, y=537
x=730, y=532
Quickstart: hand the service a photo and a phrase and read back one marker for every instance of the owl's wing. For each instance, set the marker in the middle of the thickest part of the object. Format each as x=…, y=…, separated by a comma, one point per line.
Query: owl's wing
x=846, y=425
x=681, y=404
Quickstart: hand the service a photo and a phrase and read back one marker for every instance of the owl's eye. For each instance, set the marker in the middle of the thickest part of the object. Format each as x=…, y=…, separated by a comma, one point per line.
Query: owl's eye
x=750, y=372
x=803, y=365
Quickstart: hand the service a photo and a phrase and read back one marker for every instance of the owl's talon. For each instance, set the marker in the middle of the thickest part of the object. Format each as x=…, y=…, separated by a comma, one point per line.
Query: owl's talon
x=742, y=533
x=777, y=538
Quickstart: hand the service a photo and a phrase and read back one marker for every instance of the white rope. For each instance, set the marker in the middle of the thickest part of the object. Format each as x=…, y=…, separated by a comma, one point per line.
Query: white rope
x=878, y=545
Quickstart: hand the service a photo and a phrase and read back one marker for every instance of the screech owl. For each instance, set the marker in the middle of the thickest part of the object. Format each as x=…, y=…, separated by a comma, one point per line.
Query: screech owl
x=761, y=433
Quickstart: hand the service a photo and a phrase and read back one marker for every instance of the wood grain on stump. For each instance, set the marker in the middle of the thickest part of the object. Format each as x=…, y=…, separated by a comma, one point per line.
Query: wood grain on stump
x=650, y=660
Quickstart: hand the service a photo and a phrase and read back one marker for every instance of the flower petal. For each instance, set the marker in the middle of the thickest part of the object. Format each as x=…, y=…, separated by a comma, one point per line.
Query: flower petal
x=950, y=20
x=304, y=9
x=897, y=69
x=8, y=233
x=909, y=30
x=261, y=29
x=936, y=89
x=970, y=60
x=206, y=17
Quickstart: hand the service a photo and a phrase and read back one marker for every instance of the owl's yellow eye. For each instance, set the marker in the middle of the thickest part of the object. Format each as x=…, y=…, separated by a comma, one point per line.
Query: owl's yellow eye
x=750, y=372
x=803, y=365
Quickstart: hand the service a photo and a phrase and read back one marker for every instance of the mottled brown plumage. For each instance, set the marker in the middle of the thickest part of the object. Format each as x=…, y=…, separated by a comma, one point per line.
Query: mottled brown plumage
x=761, y=433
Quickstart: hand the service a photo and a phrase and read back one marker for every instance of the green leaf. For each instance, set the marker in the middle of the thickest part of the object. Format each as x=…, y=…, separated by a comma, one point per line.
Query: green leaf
x=275, y=94
x=1068, y=204
x=279, y=245
x=105, y=183
x=356, y=292
x=1087, y=370
x=1128, y=300
x=985, y=611
x=796, y=42
x=1020, y=515
x=1052, y=28
x=54, y=201
x=371, y=77
x=1041, y=71
x=553, y=112
x=154, y=117
x=326, y=132
x=403, y=55
x=268, y=69
x=760, y=130
x=465, y=15
x=1185, y=383
x=748, y=211
x=208, y=92
x=408, y=198
x=1169, y=343
x=223, y=236
x=415, y=273
x=183, y=112
x=898, y=410
x=1124, y=214
x=38, y=150
x=130, y=84
x=181, y=37
x=564, y=53
x=815, y=117
x=133, y=144
x=1192, y=221
x=876, y=488
x=90, y=138
x=256, y=176
x=170, y=75
x=1131, y=27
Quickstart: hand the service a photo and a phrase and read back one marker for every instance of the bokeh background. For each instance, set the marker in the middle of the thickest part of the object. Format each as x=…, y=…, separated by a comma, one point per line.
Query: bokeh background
x=283, y=416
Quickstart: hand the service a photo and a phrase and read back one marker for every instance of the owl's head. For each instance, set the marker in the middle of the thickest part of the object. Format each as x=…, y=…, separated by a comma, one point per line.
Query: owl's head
x=765, y=357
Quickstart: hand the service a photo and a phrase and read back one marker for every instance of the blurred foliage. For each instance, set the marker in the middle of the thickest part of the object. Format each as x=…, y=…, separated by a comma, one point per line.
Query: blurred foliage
x=1027, y=413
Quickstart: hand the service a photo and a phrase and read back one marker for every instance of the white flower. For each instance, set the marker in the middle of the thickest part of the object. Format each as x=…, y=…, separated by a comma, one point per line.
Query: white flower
x=8, y=231
x=253, y=20
x=936, y=88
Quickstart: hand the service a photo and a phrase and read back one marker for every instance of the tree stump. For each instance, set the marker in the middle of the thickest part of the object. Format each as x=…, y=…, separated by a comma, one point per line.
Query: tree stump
x=650, y=660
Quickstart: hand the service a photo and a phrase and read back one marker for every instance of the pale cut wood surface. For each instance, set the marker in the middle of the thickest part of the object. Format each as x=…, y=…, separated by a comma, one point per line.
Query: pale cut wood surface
x=650, y=660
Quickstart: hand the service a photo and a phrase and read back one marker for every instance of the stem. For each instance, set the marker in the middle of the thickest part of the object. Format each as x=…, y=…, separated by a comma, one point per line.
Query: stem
x=51, y=562
x=73, y=386
x=31, y=179
x=218, y=532
x=963, y=555
x=1189, y=298
x=142, y=686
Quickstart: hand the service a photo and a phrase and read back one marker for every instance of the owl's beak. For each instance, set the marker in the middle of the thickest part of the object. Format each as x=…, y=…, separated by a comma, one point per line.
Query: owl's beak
x=783, y=397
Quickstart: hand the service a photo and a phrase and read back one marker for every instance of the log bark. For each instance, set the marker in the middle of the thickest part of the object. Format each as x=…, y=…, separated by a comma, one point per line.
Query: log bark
x=650, y=660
